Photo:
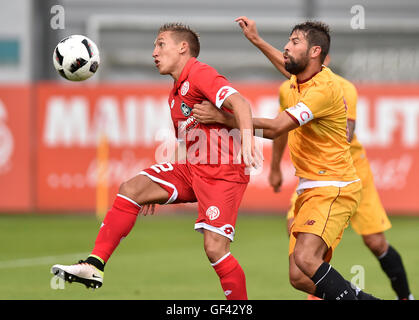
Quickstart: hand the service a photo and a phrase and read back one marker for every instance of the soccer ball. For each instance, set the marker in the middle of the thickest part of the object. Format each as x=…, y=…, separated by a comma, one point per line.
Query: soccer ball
x=76, y=58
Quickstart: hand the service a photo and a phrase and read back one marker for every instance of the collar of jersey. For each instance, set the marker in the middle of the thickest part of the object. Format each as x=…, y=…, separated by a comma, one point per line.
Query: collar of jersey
x=185, y=72
x=305, y=83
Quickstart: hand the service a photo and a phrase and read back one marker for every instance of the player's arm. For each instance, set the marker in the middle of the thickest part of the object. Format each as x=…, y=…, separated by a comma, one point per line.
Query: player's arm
x=350, y=100
x=206, y=112
x=242, y=114
x=350, y=129
x=273, y=128
x=275, y=175
x=274, y=55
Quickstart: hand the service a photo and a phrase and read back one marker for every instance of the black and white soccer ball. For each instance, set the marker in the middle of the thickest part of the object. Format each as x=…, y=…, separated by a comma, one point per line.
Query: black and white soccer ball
x=76, y=58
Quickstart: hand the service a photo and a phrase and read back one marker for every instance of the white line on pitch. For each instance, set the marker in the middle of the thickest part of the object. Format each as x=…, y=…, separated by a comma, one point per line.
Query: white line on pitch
x=39, y=261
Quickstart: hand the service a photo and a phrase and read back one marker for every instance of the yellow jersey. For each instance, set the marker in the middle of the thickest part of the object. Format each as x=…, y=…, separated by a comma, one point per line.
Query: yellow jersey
x=319, y=147
x=351, y=97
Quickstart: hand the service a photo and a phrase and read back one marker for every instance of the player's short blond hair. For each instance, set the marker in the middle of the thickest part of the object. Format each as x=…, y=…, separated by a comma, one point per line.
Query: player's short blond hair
x=183, y=32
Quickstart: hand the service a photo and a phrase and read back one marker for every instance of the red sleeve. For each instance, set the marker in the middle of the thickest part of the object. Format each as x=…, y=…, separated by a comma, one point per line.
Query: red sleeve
x=213, y=86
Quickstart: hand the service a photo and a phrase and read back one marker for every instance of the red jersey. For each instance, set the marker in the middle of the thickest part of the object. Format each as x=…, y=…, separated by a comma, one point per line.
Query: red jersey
x=212, y=149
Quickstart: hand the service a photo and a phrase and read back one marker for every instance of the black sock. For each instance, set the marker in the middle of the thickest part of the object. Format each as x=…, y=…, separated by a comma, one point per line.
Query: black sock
x=392, y=264
x=330, y=285
x=95, y=262
x=360, y=295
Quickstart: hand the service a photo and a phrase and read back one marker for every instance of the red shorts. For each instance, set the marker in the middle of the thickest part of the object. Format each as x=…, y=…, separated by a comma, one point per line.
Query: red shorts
x=218, y=200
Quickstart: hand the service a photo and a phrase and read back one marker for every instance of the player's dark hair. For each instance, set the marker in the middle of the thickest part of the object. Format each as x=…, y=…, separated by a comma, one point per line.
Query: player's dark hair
x=317, y=34
x=183, y=32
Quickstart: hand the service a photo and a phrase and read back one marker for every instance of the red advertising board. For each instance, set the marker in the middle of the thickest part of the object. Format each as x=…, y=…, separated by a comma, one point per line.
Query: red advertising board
x=15, y=150
x=136, y=121
x=48, y=145
x=388, y=127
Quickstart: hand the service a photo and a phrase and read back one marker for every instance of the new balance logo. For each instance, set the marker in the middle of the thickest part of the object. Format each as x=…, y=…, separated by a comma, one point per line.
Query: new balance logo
x=309, y=222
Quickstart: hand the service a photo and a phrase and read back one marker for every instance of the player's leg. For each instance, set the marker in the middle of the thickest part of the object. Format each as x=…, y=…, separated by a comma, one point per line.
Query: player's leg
x=370, y=221
x=297, y=278
x=391, y=263
x=120, y=219
x=322, y=215
x=151, y=186
x=228, y=269
x=308, y=257
x=218, y=204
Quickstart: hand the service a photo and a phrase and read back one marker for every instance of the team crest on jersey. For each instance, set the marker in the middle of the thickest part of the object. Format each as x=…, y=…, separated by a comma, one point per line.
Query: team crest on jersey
x=186, y=110
x=185, y=88
x=213, y=213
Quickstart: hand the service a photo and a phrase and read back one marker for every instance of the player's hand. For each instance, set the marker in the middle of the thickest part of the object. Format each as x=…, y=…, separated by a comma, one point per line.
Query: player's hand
x=248, y=27
x=147, y=209
x=205, y=112
x=275, y=180
x=251, y=156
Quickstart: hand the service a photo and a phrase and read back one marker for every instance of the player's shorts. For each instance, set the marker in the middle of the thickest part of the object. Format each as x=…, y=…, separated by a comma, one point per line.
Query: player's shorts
x=325, y=212
x=290, y=213
x=218, y=200
x=370, y=217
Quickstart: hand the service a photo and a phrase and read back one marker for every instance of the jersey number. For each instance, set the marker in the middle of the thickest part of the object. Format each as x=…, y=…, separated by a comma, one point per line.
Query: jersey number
x=162, y=167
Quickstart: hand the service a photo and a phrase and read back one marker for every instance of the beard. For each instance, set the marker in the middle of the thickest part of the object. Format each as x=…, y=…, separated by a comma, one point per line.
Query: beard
x=294, y=67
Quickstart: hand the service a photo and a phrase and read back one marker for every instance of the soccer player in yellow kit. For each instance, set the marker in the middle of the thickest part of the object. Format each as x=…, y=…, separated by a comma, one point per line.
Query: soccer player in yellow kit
x=370, y=220
x=329, y=189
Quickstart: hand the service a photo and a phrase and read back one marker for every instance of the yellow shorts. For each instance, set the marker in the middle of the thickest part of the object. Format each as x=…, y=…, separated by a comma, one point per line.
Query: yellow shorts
x=370, y=217
x=290, y=213
x=325, y=212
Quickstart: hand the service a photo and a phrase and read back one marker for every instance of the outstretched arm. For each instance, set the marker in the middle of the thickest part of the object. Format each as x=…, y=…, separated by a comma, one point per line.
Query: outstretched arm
x=206, y=112
x=242, y=114
x=274, y=55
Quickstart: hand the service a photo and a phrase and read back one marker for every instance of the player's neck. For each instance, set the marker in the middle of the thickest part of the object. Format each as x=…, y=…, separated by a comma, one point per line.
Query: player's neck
x=179, y=68
x=309, y=72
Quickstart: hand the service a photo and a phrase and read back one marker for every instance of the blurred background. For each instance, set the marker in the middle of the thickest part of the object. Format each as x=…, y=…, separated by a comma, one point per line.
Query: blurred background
x=66, y=147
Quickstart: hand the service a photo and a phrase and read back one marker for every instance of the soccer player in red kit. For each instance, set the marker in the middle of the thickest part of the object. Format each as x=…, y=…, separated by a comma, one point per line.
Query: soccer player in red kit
x=211, y=174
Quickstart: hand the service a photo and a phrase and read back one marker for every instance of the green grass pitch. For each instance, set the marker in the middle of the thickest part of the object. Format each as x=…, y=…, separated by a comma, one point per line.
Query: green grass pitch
x=163, y=258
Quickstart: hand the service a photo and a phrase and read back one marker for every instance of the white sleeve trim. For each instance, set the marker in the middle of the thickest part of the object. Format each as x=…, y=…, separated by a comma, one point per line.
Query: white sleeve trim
x=223, y=94
x=301, y=113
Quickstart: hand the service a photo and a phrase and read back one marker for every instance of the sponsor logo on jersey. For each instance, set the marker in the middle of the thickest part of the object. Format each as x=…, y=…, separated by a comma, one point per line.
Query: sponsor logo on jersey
x=186, y=110
x=189, y=124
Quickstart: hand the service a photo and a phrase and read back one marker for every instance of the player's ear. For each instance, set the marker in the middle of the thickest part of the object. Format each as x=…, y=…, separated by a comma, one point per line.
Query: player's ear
x=183, y=47
x=315, y=51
